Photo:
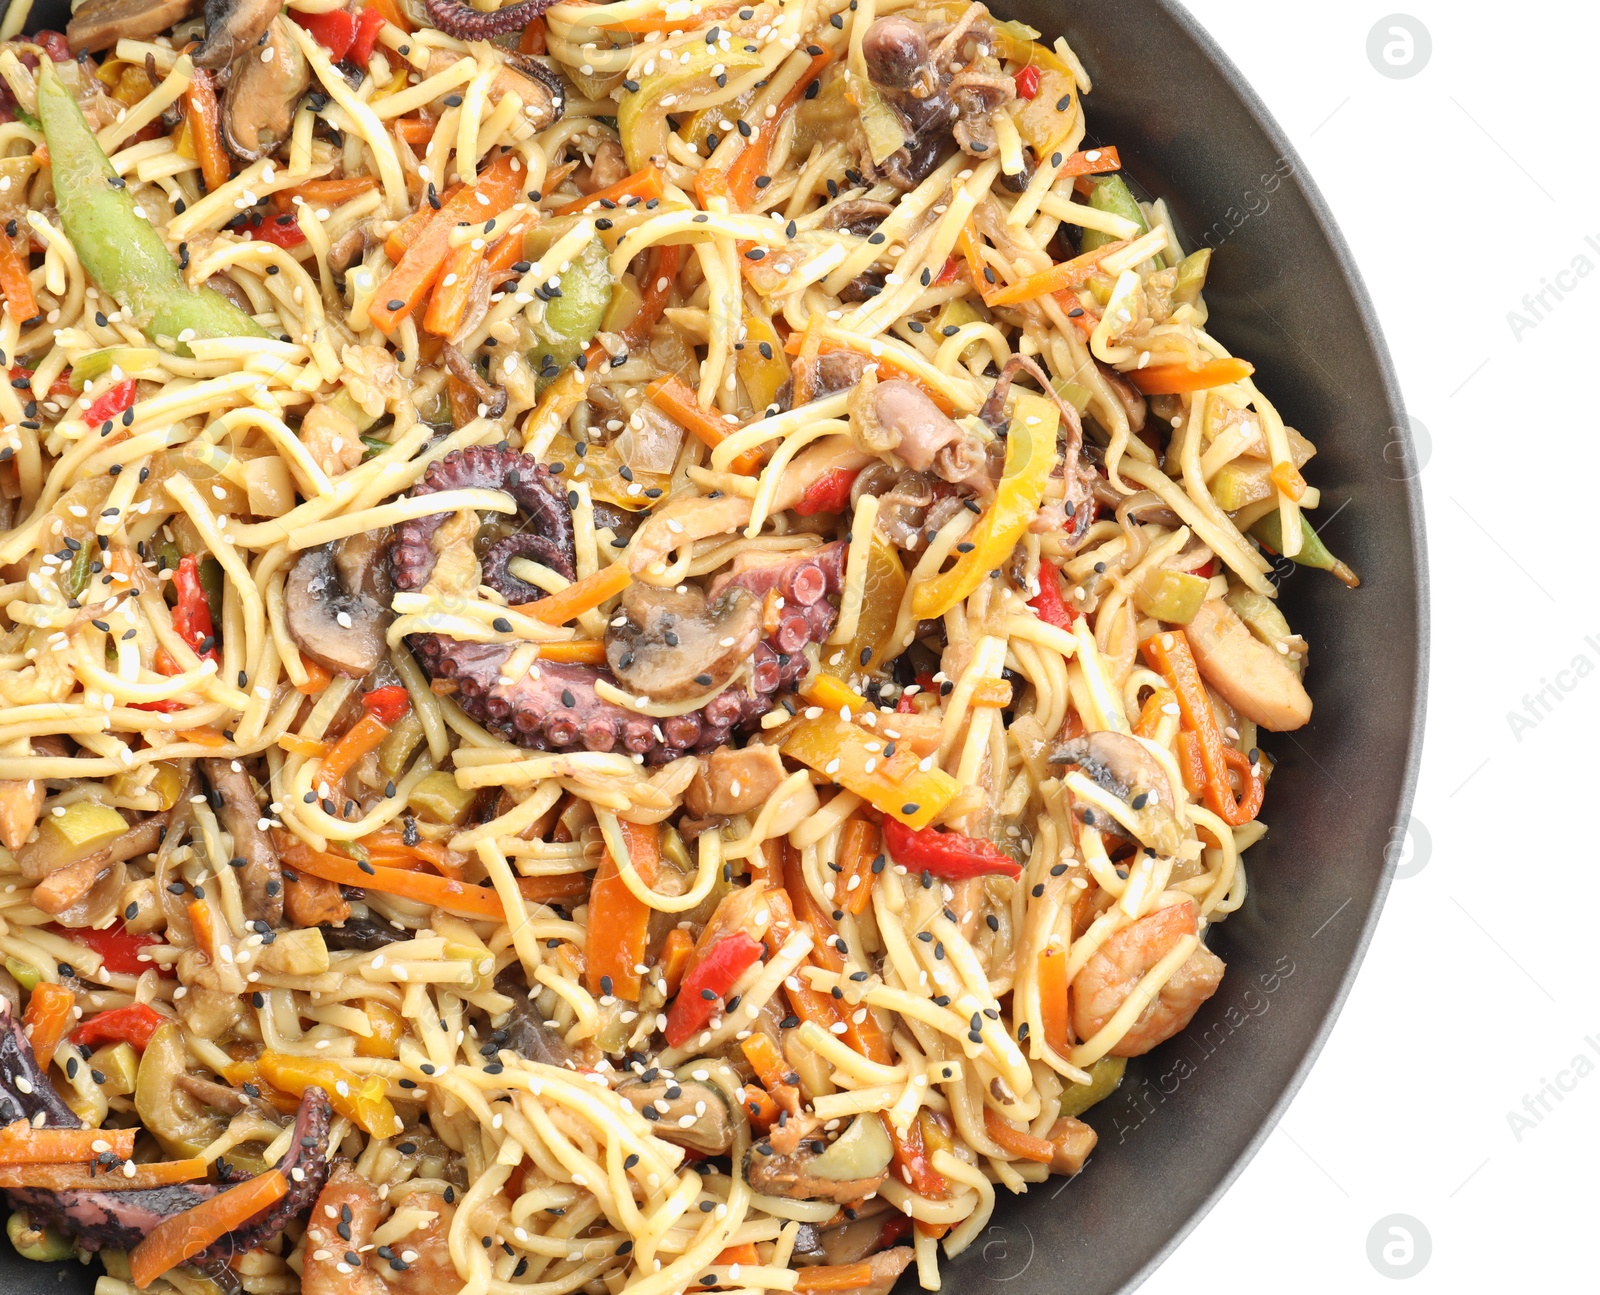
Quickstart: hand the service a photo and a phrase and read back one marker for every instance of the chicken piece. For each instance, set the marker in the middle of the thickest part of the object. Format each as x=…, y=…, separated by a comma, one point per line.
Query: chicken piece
x=1255, y=680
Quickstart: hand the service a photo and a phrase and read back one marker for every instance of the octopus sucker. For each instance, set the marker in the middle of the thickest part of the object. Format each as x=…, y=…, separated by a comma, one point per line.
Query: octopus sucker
x=746, y=633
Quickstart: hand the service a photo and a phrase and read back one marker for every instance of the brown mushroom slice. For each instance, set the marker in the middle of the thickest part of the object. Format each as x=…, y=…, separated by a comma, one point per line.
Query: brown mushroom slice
x=266, y=84
x=232, y=29
x=735, y=780
x=260, y=877
x=330, y=614
x=687, y=1114
x=1121, y=765
x=1073, y=1141
x=852, y=1166
x=100, y=24
x=526, y=1034
x=1247, y=674
x=672, y=644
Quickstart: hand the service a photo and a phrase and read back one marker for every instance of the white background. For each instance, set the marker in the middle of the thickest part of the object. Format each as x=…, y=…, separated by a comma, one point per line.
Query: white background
x=1460, y=189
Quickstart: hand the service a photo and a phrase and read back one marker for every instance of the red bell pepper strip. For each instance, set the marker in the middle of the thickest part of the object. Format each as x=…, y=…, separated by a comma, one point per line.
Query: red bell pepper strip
x=829, y=493
x=280, y=231
x=387, y=704
x=111, y=402
x=947, y=275
x=135, y=1024
x=192, y=616
x=1027, y=82
x=119, y=951
x=368, y=25
x=1049, y=606
x=947, y=855
x=707, y=983
x=333, y=31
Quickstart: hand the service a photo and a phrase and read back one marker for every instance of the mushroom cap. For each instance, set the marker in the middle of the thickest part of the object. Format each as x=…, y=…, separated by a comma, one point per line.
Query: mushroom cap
x=673, y=644
x=329, y=613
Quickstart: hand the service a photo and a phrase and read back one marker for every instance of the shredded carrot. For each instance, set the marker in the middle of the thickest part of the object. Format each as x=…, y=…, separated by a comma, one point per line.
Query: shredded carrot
x=421, y=265
x=779, y=1080
x=416, y=131
x=1179, y=379
x=1019, y=1142
x=22, y=1144
x=1150, y=714
x=620, y=921
x=48, y=1018
x=657, y=292
x=392, y=13
x=968, y=243
x=94, y=1177
x=15, y=285
x=1056, y=278
x=205, y=930
x=297, y=745
x=1169, y=654
x=991, y=692
x=580, y=596
x=388, y=841
x=403, y=235
x=1288, y=479
x=673, y=397
x=751, y=164
x=422, y=887
x=180, y=1237
x=205, y=735
x=833, y=694
x=859, y=849
x=503, y=254
x=577, y=652
x=563, y=888
x=675, y=952
x=366, y=734
x=317, y=678
x=324, y=193
x=1054, y=1001
x=1102, y=160
x=760, y=1107
x=448, y=305
x=533, y=38
x=643, y=185
x=205, y=134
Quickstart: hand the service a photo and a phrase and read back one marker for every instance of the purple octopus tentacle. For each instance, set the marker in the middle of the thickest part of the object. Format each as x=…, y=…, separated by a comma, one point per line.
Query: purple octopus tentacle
x=496, y=565
x=459, y=19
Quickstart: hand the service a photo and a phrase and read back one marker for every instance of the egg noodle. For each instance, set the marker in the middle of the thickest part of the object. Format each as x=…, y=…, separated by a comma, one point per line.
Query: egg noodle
x=668, y=605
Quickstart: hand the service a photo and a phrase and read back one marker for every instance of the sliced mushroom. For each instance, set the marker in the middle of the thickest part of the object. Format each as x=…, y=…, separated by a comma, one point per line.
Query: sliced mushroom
x=672, y=644
x=232, y=28
x=1247, y=674
x=1124, y=767
x=350, y=247
x=687, y=1114
x=331, y=608
x=267, y=82
x=100, y=24
x=735, y=781
x=857, y=216
x=525, y=1032
x=852, y=1166
x=260, y=877
x=364, y=933
x=1073, y=1140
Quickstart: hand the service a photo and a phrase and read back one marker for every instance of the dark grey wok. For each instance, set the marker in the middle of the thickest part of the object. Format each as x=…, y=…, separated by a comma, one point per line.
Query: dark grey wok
x=1284, y=293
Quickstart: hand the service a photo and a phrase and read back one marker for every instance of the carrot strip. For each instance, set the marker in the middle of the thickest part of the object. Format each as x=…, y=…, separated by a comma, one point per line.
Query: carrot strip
x=992, y=692
x=780, y=1082
x=448, y=305
x=663, y=271
x=580, y=596
x=1288, y=479
x=317, y=678
x=1178, y=379
x=416, y=131
x=1019, y=1142
x=205, y=131
x=93, y=1177
x=22, y=1144
x=643, y=185
x=205, y=930
x=422, y=887
x=1152, y=711
x=329, y=193
x=297, y=745
x=392, y=13
x=421, y=265
x=1057, y=277
x=180, y=1237
x=760, y=1107
x=505, y=253
x=672, y=396
x=858, y=851
x=403, y=235
x=366, y=734
x=563, y=888
x=48, y=1018
x=968, y=243
x=833, y=694
x=15, y=285
x=390, y=842
x=577, y=652
x=675, y=954
x=620, y=922
x=1054, y=1001
x=533, y=38
x=1169, y=654
x=1094, y=161
x=751, y=164
x=834, y=1277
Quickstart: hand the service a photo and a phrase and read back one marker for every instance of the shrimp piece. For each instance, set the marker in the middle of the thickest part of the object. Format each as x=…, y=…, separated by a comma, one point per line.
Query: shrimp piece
x=425, y=1252
x=1118, y=965
x=341, y=1223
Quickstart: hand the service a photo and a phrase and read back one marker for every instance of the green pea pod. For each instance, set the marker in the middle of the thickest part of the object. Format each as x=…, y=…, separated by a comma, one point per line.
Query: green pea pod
x=571, y=319
x=1313, y=552
x=121, y=250
x=78, y=573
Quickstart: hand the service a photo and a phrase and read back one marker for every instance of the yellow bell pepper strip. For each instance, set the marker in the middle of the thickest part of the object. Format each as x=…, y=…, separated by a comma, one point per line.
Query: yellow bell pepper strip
x=1179, y=379
x=1168, y=654
x=120, y=249
x=421, y=887
x=642, y=115
x=22, y=1144
x=580, y=596
x=1030, y=457
x=47, y=1019
x=180, y=1237
x=95, y=1177
x=896, y=785
x=1057, y=278
x=867, y=650
x=618, y=922
x=360, y=1098
x=673, y=398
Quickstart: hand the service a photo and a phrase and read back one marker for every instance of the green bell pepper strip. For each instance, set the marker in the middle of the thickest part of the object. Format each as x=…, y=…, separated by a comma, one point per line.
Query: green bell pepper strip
x=1313, y=552
x=1111, y=193
x=120, y=250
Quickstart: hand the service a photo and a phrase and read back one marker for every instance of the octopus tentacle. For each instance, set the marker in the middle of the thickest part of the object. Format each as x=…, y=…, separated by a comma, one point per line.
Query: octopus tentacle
x=554, y=706
x=459, y=19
